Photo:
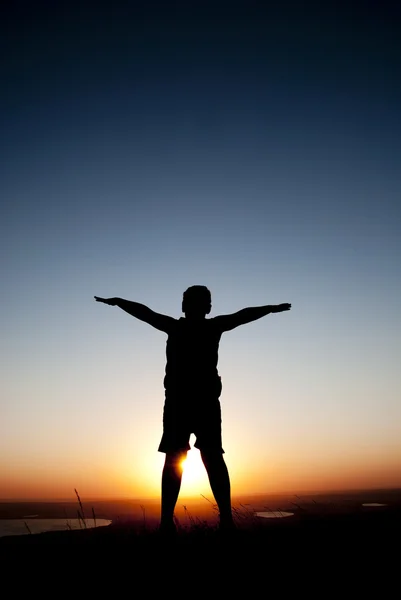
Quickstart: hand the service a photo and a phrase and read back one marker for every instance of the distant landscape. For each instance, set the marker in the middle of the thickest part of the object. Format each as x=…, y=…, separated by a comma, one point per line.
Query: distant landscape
x=147, y=510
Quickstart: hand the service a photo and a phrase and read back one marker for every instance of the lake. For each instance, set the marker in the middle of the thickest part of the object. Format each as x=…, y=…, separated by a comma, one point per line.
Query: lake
x=20, y=526
x=274, y=514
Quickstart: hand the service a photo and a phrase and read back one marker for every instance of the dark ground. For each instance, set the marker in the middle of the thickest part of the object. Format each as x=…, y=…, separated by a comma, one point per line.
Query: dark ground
x=316, y=550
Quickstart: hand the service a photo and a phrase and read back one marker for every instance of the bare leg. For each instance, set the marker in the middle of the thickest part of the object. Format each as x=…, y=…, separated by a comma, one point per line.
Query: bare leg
x=171, y=484
x=220, y=483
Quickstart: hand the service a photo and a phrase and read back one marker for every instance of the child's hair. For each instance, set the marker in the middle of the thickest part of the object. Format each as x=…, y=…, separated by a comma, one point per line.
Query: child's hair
x=198, y=297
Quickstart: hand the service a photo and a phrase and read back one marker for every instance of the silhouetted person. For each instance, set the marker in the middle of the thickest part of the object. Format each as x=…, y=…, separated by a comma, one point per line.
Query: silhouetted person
x=192, y=390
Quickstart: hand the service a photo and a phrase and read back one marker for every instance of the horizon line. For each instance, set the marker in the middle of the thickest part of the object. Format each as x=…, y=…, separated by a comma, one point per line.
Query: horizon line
x=200, y=496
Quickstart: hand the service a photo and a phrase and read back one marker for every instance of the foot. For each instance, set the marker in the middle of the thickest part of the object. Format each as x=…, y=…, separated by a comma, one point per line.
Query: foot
x=167, y=529
x=227, y=525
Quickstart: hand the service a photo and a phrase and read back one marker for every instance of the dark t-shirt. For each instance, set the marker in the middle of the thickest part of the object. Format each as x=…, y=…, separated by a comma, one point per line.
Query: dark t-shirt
x=192, y=355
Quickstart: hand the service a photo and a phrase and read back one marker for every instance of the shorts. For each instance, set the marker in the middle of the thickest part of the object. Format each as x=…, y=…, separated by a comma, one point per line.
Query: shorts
x=180, y=419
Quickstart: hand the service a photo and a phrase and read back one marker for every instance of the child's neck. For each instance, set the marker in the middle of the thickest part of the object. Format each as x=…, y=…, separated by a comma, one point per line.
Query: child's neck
x=195, y=316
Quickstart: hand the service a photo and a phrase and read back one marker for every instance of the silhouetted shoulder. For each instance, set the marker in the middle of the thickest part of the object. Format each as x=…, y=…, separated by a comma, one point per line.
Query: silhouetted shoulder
x=161, y=322
x=224, y=323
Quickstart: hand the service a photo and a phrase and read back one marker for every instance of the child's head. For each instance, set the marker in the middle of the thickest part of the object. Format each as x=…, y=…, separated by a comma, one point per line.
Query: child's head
x=197, y=301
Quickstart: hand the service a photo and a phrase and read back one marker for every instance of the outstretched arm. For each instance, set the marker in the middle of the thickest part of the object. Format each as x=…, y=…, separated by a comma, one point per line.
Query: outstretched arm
x=246, y=315
x=140, y=311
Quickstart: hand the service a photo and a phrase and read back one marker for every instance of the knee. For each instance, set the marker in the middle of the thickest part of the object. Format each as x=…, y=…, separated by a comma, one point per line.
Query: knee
x=174, y=460
x=211, y=458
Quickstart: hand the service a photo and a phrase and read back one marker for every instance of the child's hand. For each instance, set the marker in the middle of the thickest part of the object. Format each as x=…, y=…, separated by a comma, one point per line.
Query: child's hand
x=109, y=301
x=282, y=307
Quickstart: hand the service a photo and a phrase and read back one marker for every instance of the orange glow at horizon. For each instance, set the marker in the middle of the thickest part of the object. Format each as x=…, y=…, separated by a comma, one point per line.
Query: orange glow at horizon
x=112, y=483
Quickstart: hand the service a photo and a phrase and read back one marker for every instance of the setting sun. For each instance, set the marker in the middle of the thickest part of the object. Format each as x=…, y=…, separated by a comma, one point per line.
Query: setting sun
x=194, y=474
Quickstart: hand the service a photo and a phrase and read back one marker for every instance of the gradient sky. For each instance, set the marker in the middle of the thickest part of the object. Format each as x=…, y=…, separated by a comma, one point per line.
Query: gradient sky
x=144, y=150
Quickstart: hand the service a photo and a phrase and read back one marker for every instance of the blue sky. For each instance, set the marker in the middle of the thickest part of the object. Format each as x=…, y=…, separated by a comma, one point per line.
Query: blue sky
x=256, y=153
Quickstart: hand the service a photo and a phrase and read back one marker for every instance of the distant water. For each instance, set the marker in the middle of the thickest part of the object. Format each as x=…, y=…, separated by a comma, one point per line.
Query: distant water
x=20, y=526
x=274, y=514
